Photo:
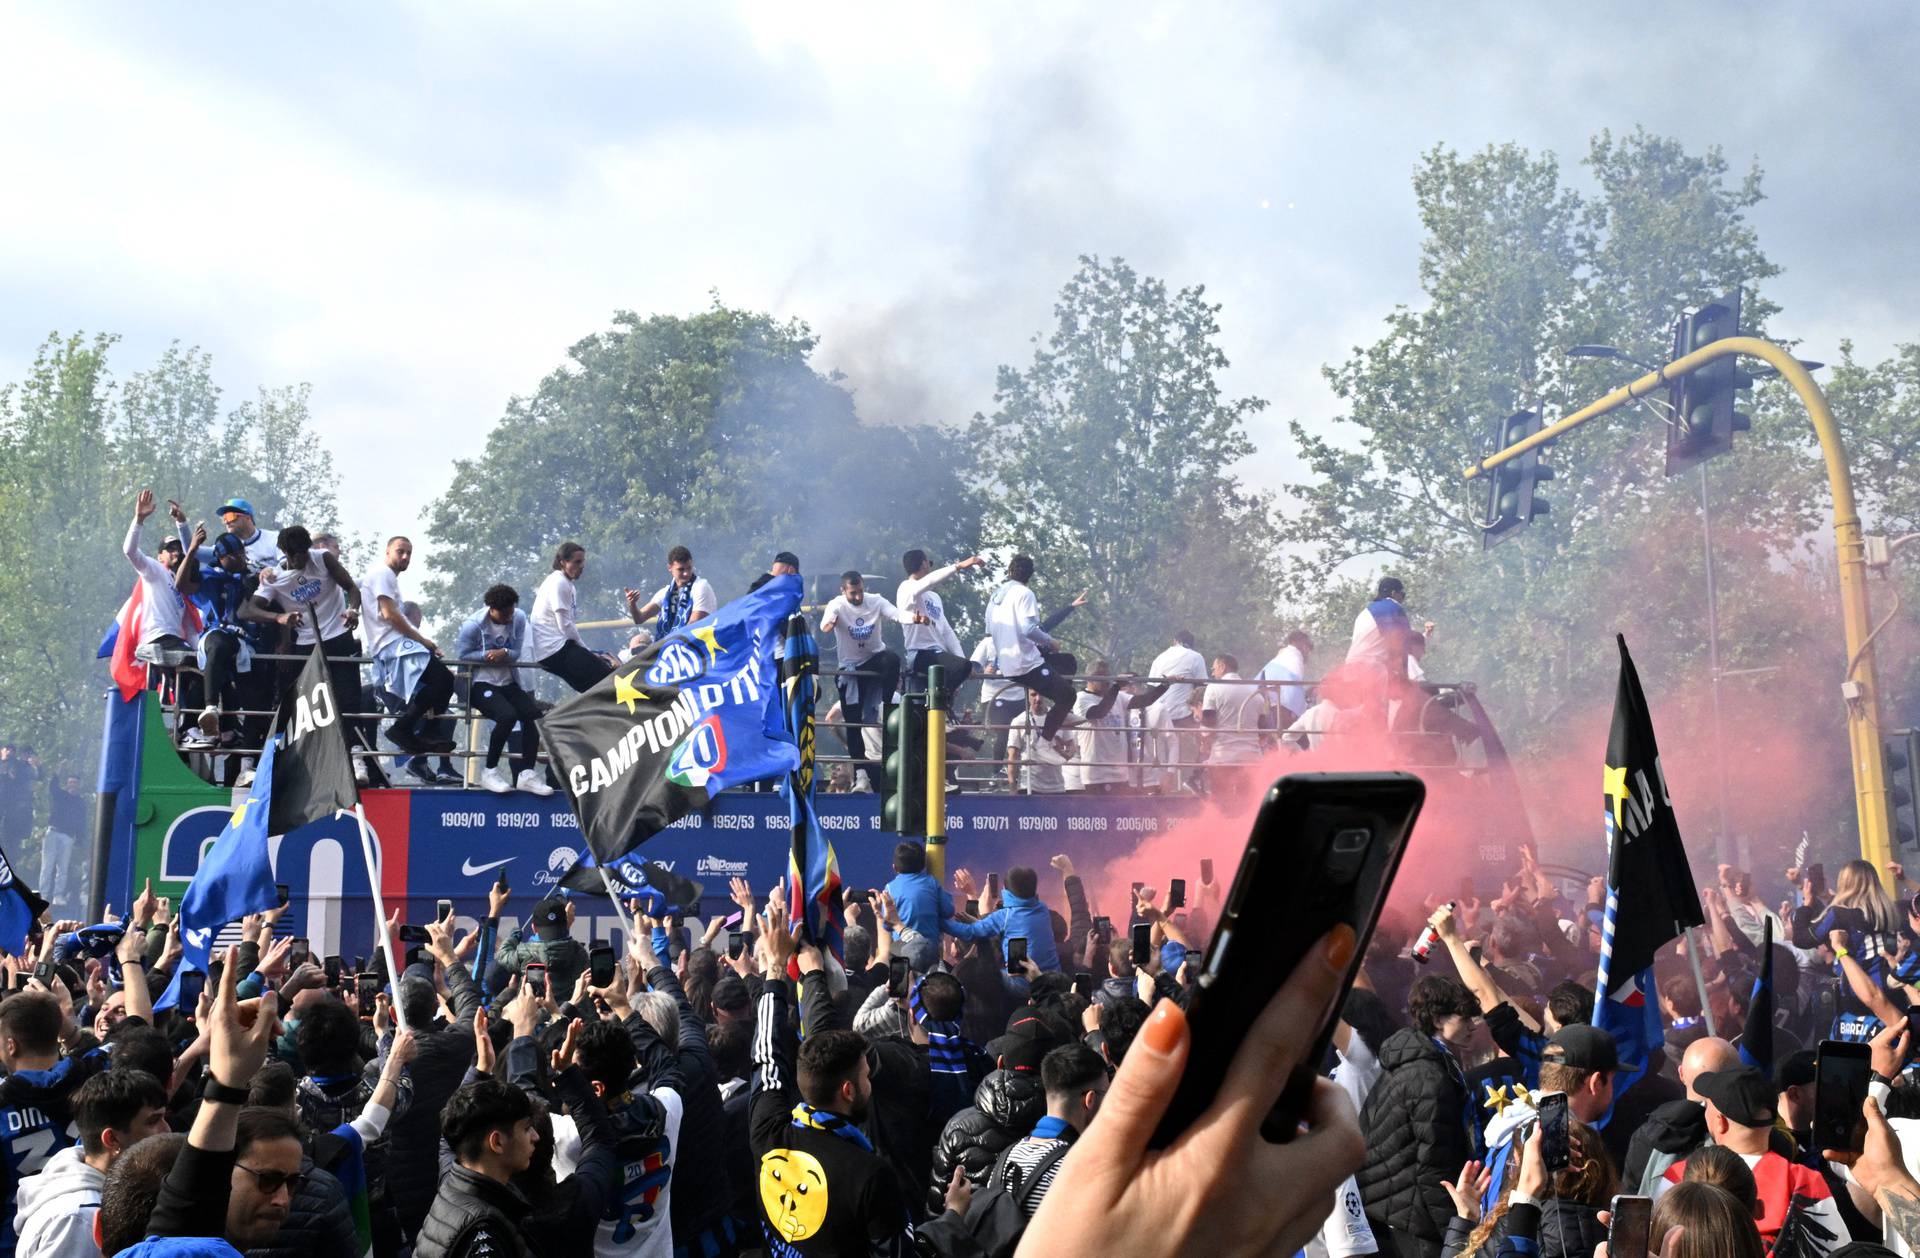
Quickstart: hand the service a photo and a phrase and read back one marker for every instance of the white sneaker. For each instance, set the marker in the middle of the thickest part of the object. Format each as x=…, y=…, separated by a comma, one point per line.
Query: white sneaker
x=210, y=721
x=533, y=782
x=360, y=774
x=495, y=780
x=245, y=780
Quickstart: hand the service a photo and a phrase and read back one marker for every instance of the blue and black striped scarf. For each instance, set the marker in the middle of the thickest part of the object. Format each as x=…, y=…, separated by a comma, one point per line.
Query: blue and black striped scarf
x=947, y=1049
x=805, y=1115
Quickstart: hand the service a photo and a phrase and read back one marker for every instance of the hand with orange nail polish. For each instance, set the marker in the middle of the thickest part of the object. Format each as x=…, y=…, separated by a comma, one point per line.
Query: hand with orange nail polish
x=1220, y=1189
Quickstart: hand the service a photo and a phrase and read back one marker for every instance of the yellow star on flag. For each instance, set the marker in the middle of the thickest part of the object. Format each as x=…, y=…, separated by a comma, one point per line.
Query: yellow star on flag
x=1616, y=789
x=705, y=633
x=240, y=813
x=624, y=691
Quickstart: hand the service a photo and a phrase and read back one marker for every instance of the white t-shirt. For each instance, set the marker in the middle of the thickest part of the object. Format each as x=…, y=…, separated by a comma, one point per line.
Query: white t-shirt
x=309, y=587
x=856, y=626
x=382, y=580
x=991, y=688
x=1236, y=730
x=551, y=624
x=1040, y=761
x=704, y=599
x=1013, y=620
x=916, y=594
x=163, y=609
x=1289, y=665
x=646, y=1215
x=1103, y=742
x=1178, y=661
x=1312, y=725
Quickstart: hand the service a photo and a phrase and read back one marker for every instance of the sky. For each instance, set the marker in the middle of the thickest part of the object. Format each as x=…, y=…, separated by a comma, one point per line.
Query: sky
x=418, y=207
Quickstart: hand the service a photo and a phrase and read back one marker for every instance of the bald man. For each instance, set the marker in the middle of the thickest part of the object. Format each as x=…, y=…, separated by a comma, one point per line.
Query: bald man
x=1672, y=1131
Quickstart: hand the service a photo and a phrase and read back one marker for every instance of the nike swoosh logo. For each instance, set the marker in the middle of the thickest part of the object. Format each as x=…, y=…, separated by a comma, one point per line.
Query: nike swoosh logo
x=471, y=870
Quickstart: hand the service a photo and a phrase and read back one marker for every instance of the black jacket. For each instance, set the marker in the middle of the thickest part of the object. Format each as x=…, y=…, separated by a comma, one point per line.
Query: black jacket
x=413, y=1138
x=1672, y=1131
x=1568, y=1229
x=1415, y=1126
x=319, y=1221
x=565, y=959
x=821, y=1193
x=1005, y=1107
x=700, y=1194
x=566, y=1213
x=474, y=1215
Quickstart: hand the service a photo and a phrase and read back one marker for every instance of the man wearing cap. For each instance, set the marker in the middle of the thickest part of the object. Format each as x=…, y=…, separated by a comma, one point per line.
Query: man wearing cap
x=1740, y=1117
x=262, y=547
x=222, y=589
x=1580, y=1060
x=553, y=947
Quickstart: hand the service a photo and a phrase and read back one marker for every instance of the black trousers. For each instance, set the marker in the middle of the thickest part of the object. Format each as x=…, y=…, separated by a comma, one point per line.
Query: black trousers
x=999, y=715
x=1054, y=679
x=577, y=666
x=346, y=684
x=863, y=697
x=954, y=671
x=234, y=690
x=512, y=711
x=430, y=695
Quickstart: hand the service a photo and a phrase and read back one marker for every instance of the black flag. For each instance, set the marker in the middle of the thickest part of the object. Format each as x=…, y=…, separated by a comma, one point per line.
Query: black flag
x=1647, y=861
x=694, y=713
x=312, y=774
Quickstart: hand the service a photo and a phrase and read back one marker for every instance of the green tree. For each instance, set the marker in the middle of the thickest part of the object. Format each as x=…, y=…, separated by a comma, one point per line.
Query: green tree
x=1109, y=461
x=75, y=447
x=1517, y=265
x=711, y=430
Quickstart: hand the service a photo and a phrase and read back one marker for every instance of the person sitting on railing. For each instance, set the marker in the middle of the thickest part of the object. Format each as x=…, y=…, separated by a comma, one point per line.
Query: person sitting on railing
x=221, y=589
x=406, y=662
x=685, y=598
x=1025, y=651
x=498, y=635
x=166, y=618
x=934, y=641
x=553, y=634
x=309, y=588
x=868, y=671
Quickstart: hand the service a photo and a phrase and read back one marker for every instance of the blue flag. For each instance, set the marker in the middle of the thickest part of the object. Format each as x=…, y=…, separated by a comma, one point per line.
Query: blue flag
x=235, y=879
x=813, y=871
x=19, y=908
x=694, y=713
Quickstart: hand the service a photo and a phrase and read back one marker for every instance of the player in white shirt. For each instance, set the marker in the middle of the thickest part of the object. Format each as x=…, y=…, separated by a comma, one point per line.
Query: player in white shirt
x=933, y=642
x=1234, y=715
x=406, y=662
x=869, y=672
x=1289, y=666
x=311, y=593
x=553, y=638
x=1024, y=651
x=1173, y=713
x=1103, y=760
x=685, y=598
x=1034, y=761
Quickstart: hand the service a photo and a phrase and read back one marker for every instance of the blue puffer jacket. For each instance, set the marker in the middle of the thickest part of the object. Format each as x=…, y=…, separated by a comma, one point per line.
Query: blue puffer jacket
x=1017, y=915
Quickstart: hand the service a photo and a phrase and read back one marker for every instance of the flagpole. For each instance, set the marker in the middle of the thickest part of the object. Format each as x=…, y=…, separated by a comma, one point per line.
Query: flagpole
x=1699, y=981
x=380, y=912
x=626, y=923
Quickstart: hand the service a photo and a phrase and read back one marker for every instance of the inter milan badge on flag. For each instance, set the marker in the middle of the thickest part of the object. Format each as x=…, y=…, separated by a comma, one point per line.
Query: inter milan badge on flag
x=696, y=712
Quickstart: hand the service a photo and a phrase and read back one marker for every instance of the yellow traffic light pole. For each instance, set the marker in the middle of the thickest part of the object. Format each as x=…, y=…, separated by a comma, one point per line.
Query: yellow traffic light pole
x=1861, y=686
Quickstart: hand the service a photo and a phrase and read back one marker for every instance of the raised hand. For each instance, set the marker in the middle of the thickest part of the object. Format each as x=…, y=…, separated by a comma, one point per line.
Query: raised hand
x=143, y=505
x=1468, y=1189
x=483, y=1055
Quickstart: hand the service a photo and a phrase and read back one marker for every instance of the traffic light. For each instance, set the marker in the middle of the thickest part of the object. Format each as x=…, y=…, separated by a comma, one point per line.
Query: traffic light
x=1704, y=419
x=1902, y=751
x=903, y=768
x=1511, y=500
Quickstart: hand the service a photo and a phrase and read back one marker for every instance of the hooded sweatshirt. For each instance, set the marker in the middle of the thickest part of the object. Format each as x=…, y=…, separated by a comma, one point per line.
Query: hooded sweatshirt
x=57, y=1207
x=1017, y=916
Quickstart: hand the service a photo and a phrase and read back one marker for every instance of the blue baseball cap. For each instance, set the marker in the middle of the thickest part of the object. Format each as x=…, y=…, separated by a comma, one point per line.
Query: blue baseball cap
x=236, y=504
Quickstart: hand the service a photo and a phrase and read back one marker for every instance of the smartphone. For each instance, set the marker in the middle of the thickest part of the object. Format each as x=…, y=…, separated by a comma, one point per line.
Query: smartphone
x=43, y=974
x=500, y=883
x=736, y=943
x=366, y=989
x=298, y=954
x=899, y=978
x=536, y=978
x=1083, y=983
x=973, y=908
x=600, y=965
x=1629, y=1232
x=1840, y=1090
x=1016, y=954
x=993, y=886
x=332, y=966
x=1142, y=942
x=286, y=895
x=191, y=985
x=411, y=934
x=1136, y=889
x=1323, y=851
x=1555, y=1149
x=1104, y=925
x=359, y=965
x=732, y=920
x=1176, y=894
x=1206, y=871
x=443, y=909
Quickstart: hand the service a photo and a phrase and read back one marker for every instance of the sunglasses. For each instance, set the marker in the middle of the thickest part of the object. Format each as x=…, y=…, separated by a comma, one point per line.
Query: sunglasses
x=272, y=1182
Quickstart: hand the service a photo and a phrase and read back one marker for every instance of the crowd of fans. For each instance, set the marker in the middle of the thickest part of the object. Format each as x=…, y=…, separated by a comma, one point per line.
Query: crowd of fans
x=1039, y=724
x=979, y=1070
